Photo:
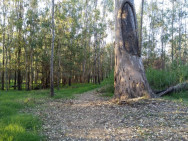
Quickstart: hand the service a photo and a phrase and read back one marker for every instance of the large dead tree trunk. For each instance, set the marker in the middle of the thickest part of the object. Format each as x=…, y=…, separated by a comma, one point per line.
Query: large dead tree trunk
x=130, y=80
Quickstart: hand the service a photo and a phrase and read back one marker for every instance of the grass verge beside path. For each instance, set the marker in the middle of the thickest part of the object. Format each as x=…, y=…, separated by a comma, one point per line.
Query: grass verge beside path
x=15, y=125
x=181, y=97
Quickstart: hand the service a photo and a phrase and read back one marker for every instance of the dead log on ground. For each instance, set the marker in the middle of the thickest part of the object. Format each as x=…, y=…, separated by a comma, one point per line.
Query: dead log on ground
x=177, y=88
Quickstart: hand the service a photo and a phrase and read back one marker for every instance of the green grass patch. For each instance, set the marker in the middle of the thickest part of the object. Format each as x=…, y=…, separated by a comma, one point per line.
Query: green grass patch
x=15, y=126
x=69, y=92
x=107, y=95
x=181, y=97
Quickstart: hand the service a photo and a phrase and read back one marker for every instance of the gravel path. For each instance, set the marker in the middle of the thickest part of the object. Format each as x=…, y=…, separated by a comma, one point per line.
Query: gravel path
x=90, y=117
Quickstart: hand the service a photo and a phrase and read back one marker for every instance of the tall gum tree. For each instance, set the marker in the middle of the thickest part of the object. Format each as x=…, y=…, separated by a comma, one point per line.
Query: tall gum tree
x=130, y=80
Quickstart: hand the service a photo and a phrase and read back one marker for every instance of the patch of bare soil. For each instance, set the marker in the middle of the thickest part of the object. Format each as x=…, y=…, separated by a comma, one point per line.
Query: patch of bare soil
x=90, y=117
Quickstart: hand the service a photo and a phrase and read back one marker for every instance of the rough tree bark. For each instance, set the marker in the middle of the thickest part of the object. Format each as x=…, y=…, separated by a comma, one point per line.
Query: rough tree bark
x=130, y=80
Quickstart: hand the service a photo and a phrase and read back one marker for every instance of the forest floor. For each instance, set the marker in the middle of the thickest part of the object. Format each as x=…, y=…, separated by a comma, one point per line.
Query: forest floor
x=91, y=116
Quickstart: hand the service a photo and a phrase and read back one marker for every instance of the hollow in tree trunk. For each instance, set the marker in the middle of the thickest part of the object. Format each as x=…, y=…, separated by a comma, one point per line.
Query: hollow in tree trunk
x=130, y=80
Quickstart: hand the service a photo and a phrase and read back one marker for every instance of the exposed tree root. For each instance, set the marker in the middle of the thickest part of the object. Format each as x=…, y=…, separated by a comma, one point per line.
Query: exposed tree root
x=177, y=88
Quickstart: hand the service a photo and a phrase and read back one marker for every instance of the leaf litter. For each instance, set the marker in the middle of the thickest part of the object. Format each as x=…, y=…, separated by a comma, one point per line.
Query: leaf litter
x=91, y=117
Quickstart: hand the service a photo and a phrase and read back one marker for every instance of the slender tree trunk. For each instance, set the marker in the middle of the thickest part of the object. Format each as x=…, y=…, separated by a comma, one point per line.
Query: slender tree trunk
x=99, y=62
x=172, y=52
x=15, y=78
x=95, y=58
x=27, y=70
x=70, y=81
x=162, y=43
x=52, y=55
x=64, y=81
x=36, y=72
x=31, y=69
x=10, y=69
x=88, y=79
x=141, y=23
x=59, y=66
x=6, y=70
x=6, y=66
x=95, y=46
x=130, y=80
x=19, y=48
x=89, y=62
x=186, y=47
x=19, y=69
x=153, y=33
x=3, y=68
x=6, y=61
x=180, y=35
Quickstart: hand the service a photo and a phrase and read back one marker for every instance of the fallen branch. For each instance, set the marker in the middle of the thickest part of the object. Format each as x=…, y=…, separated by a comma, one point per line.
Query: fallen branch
x=177, y=88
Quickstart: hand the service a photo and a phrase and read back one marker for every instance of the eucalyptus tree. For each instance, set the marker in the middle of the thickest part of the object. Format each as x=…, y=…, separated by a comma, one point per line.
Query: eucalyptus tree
x=130, y=80
x=52, y=54
x=19, y=23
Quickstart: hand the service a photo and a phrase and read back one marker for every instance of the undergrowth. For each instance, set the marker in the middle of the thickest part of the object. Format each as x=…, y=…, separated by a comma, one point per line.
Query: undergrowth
x=159, y=80
x=163, y=79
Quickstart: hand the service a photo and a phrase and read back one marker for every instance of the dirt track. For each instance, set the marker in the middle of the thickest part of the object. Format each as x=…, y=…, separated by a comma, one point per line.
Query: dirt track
x=92, y=117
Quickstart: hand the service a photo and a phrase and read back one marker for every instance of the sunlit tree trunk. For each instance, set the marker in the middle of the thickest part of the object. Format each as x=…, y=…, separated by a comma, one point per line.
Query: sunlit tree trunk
x=130, y=80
